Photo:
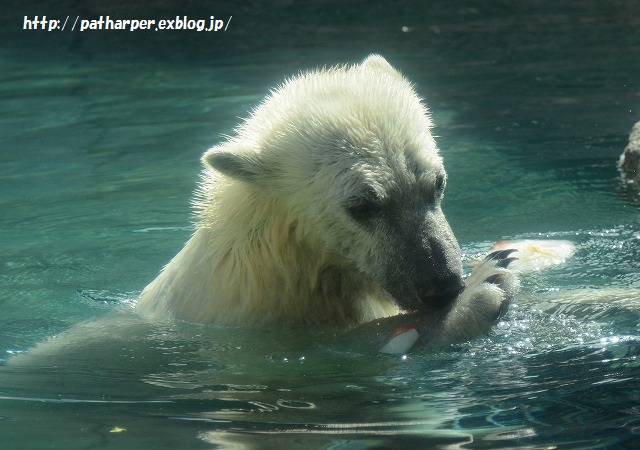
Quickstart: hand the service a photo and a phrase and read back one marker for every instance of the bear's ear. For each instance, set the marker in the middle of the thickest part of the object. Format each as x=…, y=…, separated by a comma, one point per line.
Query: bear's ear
x=235, y=161
x=378, y=63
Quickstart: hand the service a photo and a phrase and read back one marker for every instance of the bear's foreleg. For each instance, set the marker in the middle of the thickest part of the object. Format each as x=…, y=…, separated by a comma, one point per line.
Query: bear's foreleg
x=486, y=298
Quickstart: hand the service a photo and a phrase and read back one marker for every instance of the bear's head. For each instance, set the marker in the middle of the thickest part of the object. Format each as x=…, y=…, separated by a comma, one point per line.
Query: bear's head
x=348, y=151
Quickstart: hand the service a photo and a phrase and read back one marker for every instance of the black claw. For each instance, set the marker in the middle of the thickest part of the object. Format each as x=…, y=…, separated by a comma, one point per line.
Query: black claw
x=495, y=279
x=500, y=254
x=505, y=262
x=504, y=308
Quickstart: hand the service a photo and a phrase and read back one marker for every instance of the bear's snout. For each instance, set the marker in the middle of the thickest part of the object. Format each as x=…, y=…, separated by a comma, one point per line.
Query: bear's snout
x=442, y=263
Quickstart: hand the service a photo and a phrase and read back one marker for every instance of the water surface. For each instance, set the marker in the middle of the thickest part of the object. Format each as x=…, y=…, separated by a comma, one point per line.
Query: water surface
x=101, y=137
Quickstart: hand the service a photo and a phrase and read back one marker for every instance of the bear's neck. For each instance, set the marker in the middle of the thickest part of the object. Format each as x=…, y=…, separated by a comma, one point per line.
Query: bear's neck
x=254, y=263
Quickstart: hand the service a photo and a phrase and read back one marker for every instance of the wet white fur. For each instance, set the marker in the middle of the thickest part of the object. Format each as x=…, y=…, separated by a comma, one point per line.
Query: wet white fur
x=630, y=159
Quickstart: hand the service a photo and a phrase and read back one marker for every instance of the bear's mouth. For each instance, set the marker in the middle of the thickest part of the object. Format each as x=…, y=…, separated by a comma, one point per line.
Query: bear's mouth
x=432, y=296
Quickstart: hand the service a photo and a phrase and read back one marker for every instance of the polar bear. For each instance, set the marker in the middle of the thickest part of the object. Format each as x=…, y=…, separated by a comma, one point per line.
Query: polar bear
x=324, y=207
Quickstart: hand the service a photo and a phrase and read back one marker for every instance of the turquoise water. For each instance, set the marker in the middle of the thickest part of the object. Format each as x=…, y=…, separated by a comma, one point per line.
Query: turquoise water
x=101, y=137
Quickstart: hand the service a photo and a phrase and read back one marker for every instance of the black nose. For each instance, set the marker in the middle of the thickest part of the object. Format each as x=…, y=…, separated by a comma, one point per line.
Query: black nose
x=448, y=289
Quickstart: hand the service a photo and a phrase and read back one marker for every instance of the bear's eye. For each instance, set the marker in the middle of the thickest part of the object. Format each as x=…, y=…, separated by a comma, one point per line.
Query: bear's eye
x=364, y=209
x=441, y=183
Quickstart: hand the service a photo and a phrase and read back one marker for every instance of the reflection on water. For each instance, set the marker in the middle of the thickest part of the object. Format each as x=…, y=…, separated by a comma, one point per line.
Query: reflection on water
x=548, y=372
x=533, y=104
